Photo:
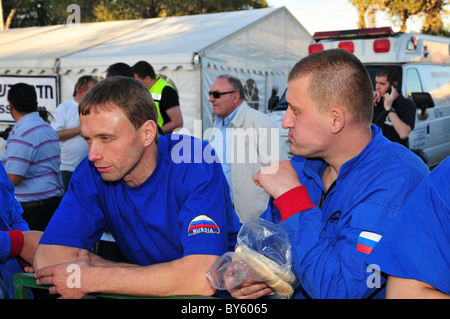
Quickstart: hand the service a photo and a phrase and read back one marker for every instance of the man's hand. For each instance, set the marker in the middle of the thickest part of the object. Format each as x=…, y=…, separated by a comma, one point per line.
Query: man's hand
x=58, y=277
x=250, y=290
x=277, y=178
x=376, y=97
x=389, y=98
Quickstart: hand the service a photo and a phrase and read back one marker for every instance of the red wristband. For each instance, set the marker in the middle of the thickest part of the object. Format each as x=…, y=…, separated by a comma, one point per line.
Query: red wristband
x=17, y=241
x=293, y=201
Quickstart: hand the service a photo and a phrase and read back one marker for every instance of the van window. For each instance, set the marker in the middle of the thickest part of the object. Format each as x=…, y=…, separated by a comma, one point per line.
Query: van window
x=413, y=83
x=436, y=81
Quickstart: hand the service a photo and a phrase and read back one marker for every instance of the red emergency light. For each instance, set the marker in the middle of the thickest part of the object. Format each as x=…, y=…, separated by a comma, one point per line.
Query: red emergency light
x=315, y=47
x=347, y=45
x=381, y=45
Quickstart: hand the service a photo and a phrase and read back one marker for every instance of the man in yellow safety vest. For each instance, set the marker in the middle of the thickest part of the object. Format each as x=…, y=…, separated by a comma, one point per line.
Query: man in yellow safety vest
x=164, y=95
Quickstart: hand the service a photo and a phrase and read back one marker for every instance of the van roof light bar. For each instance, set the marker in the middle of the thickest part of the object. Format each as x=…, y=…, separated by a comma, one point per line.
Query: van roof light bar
x=355, y=33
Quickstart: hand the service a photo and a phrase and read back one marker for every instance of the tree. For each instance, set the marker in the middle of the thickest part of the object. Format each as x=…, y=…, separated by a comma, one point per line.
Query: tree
x=24, y=13
x=363, y=7
x=430, y=10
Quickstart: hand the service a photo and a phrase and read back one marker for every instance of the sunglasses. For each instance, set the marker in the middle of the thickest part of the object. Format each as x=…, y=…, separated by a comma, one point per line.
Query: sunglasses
x=216, y=94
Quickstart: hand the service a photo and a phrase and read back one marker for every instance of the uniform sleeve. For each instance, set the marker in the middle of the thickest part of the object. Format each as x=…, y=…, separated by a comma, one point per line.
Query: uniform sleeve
x=417, y=244
x=330, y=265
x=11, y=221
x=206, y=217
x=79, y=220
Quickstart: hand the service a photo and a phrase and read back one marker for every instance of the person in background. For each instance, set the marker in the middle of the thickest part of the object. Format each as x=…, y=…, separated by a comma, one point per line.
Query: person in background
x=164, y=95
x=119, y=69
x=344, y=186
x=31, y=158
x=415, y=250
x=67, y=124
x=245, y=140
x=392, y=112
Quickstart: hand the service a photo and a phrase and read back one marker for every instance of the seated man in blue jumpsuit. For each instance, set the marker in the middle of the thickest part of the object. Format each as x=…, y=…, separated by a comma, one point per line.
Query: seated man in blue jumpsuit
x=16, y=240
x=171, y=218
x=340, y=193
x=415, y=252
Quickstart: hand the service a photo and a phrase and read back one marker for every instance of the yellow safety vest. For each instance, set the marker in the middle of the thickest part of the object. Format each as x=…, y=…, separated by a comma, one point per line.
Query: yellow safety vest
x=156, y=91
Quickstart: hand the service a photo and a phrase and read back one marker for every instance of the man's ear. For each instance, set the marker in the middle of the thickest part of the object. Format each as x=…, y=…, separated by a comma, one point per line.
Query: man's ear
x=150, y=129
x=337, y=119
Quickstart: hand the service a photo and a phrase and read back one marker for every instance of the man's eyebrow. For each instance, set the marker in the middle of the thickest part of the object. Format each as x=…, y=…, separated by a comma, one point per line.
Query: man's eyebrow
x=98, y=135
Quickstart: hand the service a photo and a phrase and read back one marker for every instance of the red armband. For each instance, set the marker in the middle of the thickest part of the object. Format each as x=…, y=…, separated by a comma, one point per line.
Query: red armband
x=293, y=201
x=17, y=241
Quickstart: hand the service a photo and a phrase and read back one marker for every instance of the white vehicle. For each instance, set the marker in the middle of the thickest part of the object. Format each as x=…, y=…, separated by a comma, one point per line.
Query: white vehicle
x=423, y=64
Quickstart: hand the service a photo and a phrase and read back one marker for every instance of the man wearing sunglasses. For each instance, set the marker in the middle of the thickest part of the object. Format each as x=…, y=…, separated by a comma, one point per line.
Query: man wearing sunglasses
x=245, y=140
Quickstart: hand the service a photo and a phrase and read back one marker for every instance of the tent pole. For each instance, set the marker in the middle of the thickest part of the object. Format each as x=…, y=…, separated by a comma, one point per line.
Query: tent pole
x=58, y=77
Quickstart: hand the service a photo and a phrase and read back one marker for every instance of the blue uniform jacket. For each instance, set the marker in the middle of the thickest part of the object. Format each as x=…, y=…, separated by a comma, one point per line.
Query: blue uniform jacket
x=332, y=240
x=417, y=245
x=10, y=218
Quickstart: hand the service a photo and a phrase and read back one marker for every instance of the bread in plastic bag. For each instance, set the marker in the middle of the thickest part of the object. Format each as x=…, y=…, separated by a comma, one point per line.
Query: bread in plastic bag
x=262, y=253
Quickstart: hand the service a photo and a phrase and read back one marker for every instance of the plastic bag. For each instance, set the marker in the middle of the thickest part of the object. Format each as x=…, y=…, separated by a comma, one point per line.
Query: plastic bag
x=262, y=253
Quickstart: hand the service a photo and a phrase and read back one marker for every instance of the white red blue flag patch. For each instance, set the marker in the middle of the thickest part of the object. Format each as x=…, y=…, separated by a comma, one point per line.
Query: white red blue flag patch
x=367, y=241
x=202, y=224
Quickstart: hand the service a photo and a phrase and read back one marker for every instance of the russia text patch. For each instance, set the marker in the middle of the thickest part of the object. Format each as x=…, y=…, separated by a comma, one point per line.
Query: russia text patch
x=202, y=224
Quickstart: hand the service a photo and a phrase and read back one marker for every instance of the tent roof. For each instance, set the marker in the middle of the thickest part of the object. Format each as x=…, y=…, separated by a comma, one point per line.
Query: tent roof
x=91, y=45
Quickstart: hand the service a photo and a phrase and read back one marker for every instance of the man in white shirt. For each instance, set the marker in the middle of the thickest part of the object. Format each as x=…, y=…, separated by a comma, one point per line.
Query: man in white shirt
x=245, y=140
x=66, y=122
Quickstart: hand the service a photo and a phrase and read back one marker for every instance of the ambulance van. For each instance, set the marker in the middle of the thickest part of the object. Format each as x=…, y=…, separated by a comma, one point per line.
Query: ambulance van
x=423, y=64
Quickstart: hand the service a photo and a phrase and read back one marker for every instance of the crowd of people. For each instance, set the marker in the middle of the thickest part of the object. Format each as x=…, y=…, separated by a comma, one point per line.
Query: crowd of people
x=353, y=199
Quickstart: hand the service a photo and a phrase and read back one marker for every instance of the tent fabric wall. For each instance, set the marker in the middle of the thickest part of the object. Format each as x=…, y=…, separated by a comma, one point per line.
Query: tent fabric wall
x=261, y=44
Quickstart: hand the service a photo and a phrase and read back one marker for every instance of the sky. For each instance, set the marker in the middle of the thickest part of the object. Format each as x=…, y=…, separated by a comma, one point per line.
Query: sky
x=328, y=15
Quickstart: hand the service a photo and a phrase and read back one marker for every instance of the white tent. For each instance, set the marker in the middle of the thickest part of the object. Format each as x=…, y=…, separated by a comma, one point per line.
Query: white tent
x=258, y=46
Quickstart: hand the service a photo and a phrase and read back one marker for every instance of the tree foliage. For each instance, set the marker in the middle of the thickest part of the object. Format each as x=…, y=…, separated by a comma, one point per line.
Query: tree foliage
x=431, y=12
x=23, y=13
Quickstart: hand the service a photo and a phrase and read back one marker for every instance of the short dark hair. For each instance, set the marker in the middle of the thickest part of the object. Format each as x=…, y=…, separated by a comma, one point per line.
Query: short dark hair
x=126, y=93
x=119, y=69
x=337, y=77
x=389, y=72
x=143, y=69
x=23, y=97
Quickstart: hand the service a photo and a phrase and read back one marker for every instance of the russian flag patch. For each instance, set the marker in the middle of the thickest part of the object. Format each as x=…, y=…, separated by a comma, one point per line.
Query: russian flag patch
x=367, y=241
x=203, y=224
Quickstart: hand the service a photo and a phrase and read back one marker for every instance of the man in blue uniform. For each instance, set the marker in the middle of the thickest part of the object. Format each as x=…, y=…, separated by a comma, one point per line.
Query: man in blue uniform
x=168, y=209
x=16, y=239
x=347, y=182
x=415, y=250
